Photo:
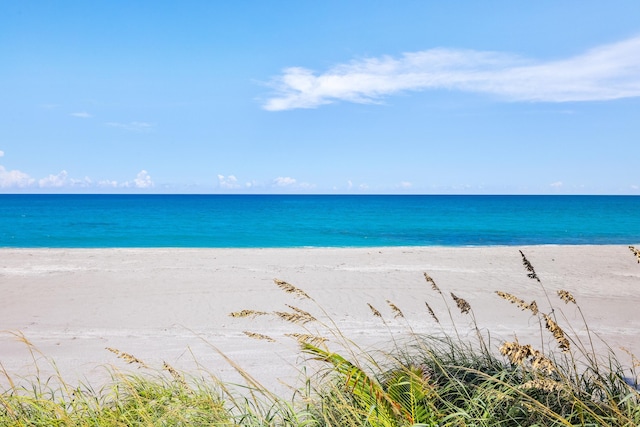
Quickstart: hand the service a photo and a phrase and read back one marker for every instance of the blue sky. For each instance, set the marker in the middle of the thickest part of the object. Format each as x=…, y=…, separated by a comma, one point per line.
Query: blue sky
x=419, y=97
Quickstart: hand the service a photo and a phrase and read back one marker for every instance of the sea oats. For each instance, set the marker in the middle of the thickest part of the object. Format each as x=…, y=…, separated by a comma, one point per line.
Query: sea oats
x=566, y=297
x=557, y=332
x=634, y=360
x=290, y=289
x=374, y=311
x=176, y=376
x=431, y=312
x=462, y=304
x=129, y=358
x=511, y=298
x=303, y=313
x=527, y=265
x=518, y=354
x=533, y=306
x=636, y=252
x=544, y=384
x=295, y=317
x=430, y=280
x=396, y=311
x=247, y=313
x=257, y=336
x=309, y=339
x=541, y=363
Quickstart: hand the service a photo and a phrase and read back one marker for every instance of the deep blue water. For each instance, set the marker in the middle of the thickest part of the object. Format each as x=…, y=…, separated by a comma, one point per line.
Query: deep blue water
x=104, y=221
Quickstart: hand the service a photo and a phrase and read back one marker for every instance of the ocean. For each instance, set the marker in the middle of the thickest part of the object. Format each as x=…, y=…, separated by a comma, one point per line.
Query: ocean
x=241, y=221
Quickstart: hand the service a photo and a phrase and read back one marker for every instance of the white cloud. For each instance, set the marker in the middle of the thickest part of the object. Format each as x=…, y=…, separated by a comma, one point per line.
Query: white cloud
x=1, y=153
x=132, y=126
x=14, y=178
x=81, y=115
x=228, y=182
x=557, y=184
x=86, y=182
x=50, y=106
x=405, y=184
x=63, y=180
x=291, y=183
x=143, y=180
x=108, y=184
x=284, y=181
x=59, y=180
x=603, y=73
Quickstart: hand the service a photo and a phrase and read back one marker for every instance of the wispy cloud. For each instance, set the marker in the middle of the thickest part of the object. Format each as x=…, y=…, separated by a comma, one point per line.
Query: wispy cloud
x=50, y=106
x=603, y=73
x=284, y=181
x=81, y=115
x=291, y=183
x=132, y=126
x=106, y=183
x=62, y=179
x=1, y=153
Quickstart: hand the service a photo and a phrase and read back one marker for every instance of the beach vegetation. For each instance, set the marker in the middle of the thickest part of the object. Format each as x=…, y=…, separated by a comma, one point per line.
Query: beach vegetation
x=449, y=379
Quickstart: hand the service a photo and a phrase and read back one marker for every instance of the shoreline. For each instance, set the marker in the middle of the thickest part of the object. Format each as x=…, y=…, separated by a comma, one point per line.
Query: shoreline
x=173, y=304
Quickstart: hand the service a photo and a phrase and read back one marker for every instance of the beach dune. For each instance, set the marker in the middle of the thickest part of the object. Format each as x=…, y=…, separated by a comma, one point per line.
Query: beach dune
x=173, y=305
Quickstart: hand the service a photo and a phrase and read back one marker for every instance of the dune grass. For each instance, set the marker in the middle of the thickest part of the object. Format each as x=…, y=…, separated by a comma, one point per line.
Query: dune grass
x=420, y=381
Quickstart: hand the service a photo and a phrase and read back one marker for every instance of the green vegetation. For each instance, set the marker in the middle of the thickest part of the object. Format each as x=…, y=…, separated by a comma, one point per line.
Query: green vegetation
x=425, y=381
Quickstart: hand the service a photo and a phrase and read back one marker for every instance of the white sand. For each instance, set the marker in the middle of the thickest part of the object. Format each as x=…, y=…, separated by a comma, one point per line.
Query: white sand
x=172, y=304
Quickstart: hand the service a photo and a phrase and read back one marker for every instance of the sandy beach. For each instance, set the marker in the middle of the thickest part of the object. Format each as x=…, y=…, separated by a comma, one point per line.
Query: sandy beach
x=173, y=305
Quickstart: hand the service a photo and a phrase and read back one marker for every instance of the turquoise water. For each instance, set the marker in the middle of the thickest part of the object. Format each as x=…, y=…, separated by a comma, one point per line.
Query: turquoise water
x=103, y=221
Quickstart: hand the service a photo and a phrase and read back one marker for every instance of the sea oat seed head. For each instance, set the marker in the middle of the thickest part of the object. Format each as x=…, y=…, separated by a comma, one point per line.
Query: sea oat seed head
x=302, y=313
x=374, y=311
x=511, y=298
x=290, y=289
x=518, y=354
x=541, y=363
x=527, y=265
x=544, y=384
x=557, y=332
x=433, y=283
x=129, y=358
x=433, y=315
x=634, y=360
x=520, y=303
x=176, y=376
x=462, y=304
x=396, y=311
x=247, y=313
x=566, y=297
x=636, y=252
x=533, y=306
x=295, y=317
x=308, y=339
x=257, y=336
